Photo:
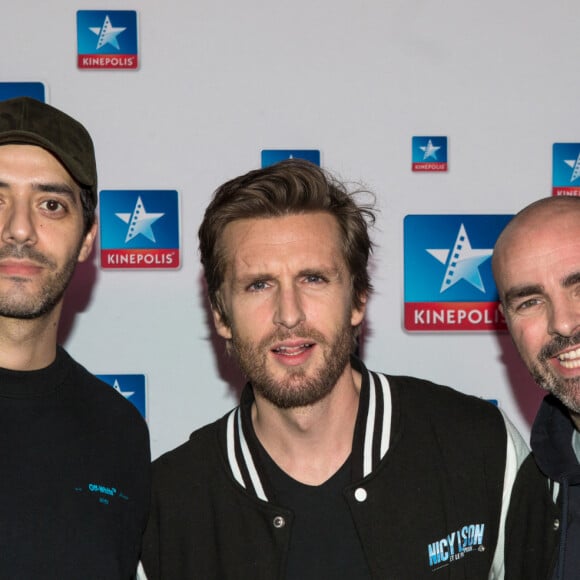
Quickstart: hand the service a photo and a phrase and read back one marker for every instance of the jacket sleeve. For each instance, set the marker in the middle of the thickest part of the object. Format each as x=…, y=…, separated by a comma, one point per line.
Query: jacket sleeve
x=532, y=530
x=516, y=453
x=140, y=574
x=149, y=565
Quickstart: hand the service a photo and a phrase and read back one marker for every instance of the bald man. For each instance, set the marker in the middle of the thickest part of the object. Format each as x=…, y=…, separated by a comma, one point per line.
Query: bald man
x=536, y=265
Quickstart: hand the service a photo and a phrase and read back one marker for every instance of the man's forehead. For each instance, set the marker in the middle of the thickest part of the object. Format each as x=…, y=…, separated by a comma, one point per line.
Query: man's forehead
x=28, y=151
x=538, y=264
x=27, y=148
x=307, y=228
x=559, y=248
x=256, y=243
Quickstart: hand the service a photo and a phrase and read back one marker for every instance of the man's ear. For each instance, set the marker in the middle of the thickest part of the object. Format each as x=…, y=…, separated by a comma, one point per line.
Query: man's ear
x=221, y=326
x=87, y=244
x=358, y=312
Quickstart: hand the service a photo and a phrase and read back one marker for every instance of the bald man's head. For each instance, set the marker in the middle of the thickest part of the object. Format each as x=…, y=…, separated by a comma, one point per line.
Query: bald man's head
x=548, y=219
x=536, y=265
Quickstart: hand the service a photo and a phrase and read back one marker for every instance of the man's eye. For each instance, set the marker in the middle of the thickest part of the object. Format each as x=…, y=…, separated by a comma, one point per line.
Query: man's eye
x=314, y=279
x=52, y=205
x=257, y=286
x=527, y=304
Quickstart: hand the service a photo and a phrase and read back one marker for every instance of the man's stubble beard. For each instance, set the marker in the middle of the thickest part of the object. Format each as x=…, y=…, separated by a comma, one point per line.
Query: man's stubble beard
x=300, y=387
x=567, y=390
x=51, y=291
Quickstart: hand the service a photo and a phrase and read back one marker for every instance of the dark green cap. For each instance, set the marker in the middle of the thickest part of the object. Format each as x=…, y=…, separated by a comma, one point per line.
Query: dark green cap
x=31, y=122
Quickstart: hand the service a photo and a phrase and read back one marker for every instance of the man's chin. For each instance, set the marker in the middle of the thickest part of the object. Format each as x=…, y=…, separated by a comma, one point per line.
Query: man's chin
x=566, y=390
x=294, y=394
x=293, y=402
x=30, y=310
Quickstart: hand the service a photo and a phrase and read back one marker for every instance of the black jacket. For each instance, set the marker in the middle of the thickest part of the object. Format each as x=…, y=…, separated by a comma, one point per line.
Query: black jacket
x=545, y=497
x=426, y=492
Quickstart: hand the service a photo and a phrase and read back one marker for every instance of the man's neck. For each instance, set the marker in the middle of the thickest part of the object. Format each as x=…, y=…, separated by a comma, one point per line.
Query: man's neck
x=27, y=345
x=310, y=443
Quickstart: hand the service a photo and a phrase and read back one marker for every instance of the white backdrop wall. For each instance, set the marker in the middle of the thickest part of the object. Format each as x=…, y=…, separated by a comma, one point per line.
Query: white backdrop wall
x=221, y=80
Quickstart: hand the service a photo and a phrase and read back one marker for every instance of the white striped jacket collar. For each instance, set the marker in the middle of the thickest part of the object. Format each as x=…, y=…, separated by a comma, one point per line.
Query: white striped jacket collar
x=370, y=443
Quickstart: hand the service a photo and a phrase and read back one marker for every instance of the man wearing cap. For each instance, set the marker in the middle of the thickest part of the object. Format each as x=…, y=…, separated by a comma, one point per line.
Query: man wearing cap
x=74, y=454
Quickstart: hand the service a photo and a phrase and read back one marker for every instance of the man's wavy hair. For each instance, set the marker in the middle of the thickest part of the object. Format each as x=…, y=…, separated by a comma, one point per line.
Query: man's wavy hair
x=287, y=188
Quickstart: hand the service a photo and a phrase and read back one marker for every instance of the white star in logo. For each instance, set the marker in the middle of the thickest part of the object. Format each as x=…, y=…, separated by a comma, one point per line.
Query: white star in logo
x=125, y=394
x=430, y=150
x=139, y=221
x=575, y=165
x=463, y=263
x=107, y=34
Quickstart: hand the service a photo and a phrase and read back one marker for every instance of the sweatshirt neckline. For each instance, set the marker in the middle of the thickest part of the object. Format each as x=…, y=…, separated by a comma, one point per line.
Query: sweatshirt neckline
x=33, y=384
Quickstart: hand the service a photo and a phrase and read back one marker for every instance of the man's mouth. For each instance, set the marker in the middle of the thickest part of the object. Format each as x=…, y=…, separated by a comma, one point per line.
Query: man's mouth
x=294, y=350
x=15, y=268
x=570, y=359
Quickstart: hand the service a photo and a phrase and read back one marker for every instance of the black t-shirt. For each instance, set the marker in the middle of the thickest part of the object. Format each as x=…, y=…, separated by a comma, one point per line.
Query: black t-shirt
x=324, y=544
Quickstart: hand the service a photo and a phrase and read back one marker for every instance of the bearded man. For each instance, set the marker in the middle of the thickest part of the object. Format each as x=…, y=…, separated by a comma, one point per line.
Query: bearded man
x=536, y=264
x=325, y=470
x=74, y=458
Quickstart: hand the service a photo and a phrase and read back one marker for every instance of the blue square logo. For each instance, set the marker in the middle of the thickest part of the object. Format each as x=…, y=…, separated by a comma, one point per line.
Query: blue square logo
x=32, y=90
x=429, y=153
x=272, y=156
x=132, y=387
x=566, y=169
x=449, y=285
x=107, y=39
x=139, y=229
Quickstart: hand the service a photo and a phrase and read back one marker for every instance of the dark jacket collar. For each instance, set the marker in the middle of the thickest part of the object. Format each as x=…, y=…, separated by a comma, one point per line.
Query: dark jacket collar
x=551, y=442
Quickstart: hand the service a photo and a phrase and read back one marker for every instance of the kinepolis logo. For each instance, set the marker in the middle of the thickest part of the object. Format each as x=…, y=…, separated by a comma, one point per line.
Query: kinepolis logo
x=107, y=39
x=132, y=387
x=139, y=229
x=35, y=90
x=272, y=156
x=429, y=153
x=566, y=169
x=448, y=281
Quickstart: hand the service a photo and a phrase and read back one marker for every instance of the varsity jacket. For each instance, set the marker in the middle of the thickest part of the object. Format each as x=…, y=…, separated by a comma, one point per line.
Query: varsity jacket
x=426, y=492
x=543, y=523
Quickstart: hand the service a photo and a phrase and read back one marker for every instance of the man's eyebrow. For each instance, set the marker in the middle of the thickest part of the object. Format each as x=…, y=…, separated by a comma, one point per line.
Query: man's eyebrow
x=245, y=279
x=56, y=187
x=522, y=292
x=329, y=272
x=248, y=278
x=571, y=280
x=531, y=289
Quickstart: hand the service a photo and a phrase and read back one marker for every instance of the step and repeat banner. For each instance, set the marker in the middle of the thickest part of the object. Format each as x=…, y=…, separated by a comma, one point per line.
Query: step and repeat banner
x=455, y=115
